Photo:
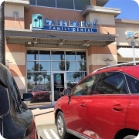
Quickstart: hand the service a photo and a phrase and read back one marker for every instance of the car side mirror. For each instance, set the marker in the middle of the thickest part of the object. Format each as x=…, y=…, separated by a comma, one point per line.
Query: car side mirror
x=27, y=96
x=67, y=92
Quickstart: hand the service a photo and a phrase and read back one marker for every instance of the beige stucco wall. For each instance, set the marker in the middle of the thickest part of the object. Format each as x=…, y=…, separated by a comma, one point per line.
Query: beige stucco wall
x=121, y=29
x=103, y=19
x=9, y=8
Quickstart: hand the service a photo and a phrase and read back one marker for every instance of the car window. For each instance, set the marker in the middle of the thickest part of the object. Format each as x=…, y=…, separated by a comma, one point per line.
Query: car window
x=84, y=87
x=111, y=83
x=133, y=84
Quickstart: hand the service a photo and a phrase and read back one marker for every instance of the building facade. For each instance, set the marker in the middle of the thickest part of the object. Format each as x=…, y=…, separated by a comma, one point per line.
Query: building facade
x=52, y=44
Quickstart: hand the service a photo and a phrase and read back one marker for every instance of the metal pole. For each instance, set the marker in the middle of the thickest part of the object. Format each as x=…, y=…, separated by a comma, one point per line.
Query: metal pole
x=133, y=44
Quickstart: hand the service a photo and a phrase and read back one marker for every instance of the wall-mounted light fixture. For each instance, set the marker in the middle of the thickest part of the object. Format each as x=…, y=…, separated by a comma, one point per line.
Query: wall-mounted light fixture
x=108, y=61
x=8, y=63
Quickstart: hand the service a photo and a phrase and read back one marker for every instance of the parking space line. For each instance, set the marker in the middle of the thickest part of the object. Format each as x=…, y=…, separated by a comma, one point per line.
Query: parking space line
x=46, y=134
x=54, y=134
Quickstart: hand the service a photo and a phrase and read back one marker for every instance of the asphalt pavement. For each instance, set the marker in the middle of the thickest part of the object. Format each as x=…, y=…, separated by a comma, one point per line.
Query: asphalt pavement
x=45, y=124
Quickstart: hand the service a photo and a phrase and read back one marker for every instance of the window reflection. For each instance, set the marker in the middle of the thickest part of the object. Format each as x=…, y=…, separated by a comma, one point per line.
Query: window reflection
x=33, y=66
x=32, y=2
x=39, y=84
x=81, y=56
x=65, y=4
x=58, y=55
x=49, y=3
x=44, y=55
x=70, y=56
x=58, y=66
x=81, y=4
x=71, y=66
x=81, y=66
x=45, y=66
x=41, y=63
x=32, y=55
x=74, y=77
x=69, y=4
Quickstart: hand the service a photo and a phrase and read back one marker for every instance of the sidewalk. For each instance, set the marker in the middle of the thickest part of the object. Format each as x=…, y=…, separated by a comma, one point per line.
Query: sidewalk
x=44, y=116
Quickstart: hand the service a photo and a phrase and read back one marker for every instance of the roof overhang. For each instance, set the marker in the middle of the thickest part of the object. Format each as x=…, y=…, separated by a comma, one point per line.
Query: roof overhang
x=25, y=3
x=98, y=9
x=57, y=39
x=128, y=52
x=101, y=2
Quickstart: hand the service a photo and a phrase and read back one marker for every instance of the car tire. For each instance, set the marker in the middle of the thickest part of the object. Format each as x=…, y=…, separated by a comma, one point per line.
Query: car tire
x=129, y=137
x=61, y=127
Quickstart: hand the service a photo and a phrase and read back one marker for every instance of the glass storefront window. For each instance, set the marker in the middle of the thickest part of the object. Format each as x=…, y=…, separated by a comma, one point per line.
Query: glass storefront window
x=65, y=4
x=81, y=66
x=68, y=4
x=32, y=55
x=58, y=66
x=73, y=78
x=71, y=66
x=33, y=66
x=45, y=66
x=70, y=56
x=39, y=84
x=44, y=55
x=49, y=3
x=81, y=4
x=58, y=55
x=81, y=56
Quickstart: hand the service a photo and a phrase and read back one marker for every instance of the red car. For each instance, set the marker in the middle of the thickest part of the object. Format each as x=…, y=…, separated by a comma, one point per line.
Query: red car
x=103, y=105
x=40, y=93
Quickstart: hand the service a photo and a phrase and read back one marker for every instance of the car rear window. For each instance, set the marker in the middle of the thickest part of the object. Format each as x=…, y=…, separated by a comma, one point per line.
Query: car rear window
x=133, y=84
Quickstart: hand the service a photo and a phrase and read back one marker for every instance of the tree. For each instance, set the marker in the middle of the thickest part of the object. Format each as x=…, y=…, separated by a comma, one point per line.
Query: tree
x=35, y=20
x=2, y=39
x=44, y=76
x=39, y=18
x=62, y=64
x=76, y=75
x=39, y=78
x=37, y=67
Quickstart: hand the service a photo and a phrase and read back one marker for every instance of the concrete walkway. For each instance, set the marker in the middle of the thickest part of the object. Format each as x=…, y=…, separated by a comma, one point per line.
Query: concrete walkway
x=44, y=116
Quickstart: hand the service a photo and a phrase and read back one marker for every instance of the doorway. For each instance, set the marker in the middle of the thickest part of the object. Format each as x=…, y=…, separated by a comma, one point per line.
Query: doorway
x=58, y=84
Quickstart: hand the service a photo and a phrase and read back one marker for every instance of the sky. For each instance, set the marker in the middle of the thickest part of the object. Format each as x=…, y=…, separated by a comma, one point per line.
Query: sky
x=129, y=8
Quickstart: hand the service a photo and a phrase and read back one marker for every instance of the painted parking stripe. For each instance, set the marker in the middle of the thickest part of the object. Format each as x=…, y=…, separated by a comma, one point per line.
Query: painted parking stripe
x=47, y=134
x=54, y=134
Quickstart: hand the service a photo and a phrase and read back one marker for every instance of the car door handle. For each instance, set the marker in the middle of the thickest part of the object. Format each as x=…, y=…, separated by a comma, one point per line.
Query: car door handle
x=83, y=104
x=117, y=107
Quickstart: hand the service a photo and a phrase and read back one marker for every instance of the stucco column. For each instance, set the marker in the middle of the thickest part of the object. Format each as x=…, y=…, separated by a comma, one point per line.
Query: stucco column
x=93, y=2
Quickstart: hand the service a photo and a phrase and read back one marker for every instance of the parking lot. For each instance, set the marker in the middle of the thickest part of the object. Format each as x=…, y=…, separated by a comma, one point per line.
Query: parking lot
x=47, y=132
x=44, y=120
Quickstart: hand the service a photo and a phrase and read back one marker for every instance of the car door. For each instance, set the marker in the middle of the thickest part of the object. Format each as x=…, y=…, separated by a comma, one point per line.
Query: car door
x=76, y=118
x=107, y=107
x=132, y=120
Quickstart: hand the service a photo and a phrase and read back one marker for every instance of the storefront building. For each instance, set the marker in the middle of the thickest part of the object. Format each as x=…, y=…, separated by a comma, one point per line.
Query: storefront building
x=52, y=44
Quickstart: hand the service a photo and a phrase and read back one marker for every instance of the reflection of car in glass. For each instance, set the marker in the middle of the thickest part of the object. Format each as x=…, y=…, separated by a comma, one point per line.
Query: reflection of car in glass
x=103, y=105
x=16, y=120
x=40, y=92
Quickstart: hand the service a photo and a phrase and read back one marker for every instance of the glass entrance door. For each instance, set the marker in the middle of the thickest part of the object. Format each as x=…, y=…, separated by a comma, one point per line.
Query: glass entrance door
x=58, y=84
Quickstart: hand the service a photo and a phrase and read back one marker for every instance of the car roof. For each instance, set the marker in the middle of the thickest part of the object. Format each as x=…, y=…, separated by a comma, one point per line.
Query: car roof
x=131, y=70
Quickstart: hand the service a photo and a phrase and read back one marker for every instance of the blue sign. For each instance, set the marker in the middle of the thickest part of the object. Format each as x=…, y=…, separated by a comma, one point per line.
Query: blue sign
x=130, y=34
x=39, y=23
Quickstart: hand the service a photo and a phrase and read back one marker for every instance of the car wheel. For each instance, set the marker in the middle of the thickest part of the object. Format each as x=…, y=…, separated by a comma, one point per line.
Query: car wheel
x=61, y=127
x=129, y=137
